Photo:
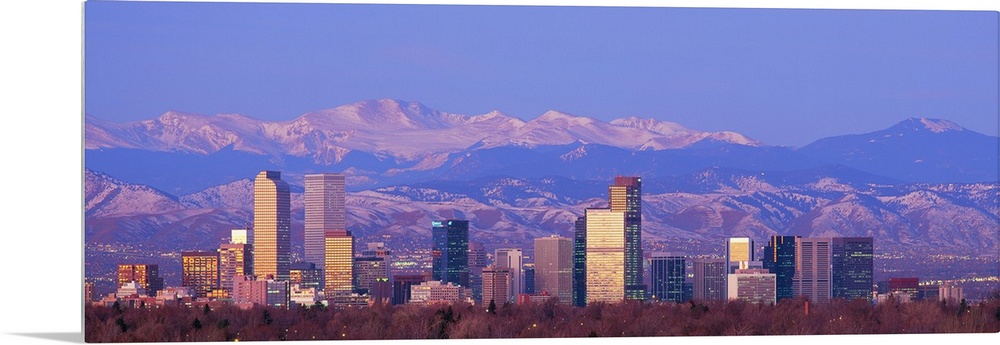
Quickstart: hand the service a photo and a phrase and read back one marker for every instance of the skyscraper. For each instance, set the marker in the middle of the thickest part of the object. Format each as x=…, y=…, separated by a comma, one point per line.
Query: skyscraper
x=496, y=281
x=709, y=279
x=338, y=270
x=239, y=236
x=324, y=210
x=234, y=260
x=368, y=270
x=739, y=253
x=529, y=279
x=512, y=260
x=852, y=268
x=812, y=269
x=626, y=196
x=401, y=284
x=477, y=261
x=605, y=255
x=667, y=277
x=200, y=272
x=554, y=267
x=779, y=258
x=580, y=262
x=272, y=226
x=450, y=251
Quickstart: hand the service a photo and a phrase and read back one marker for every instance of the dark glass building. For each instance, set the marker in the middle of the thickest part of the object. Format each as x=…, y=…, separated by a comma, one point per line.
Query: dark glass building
x=401, y=284
x=450, y=251
x=626, y=196
x=529, y=278
x=779, y=258
x=851, y=268
x=580, y=262
x=667, y=277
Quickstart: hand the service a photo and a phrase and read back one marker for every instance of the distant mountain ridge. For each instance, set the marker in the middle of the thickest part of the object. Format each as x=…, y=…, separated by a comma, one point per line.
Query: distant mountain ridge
x=704, y=207
x=387, y=128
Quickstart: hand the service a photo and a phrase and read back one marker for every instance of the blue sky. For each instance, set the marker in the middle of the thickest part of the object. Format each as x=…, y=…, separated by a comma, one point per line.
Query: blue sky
x=785, y=77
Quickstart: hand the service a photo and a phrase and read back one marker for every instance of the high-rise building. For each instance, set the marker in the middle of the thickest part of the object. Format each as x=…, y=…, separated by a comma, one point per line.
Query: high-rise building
x=626, y=196
x=812, y=269
x=368, y=270
x=752, y=285
x=667, y=276
x=338, y=271
x=528, y=271
x=739, y=253
x=709, y=279
x=477, y=261
x=234, y=260
x=401, y=284
x=271, y=226
x=513, y=260
x=496, y=287
x=306, y=276
x=450, y=251
x=324, y=210
x=146, y=275
x=554, y=267
x=200, y=272
x=239, y=236
x=605, y=255
x=779, y=258
x=852, y=267
x=580, y=262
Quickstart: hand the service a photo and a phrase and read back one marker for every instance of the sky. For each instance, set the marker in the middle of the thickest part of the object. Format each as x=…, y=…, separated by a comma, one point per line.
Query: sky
x=781, y=76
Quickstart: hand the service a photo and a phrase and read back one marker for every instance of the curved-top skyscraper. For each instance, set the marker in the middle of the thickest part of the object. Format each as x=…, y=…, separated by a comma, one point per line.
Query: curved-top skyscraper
x=271, y=226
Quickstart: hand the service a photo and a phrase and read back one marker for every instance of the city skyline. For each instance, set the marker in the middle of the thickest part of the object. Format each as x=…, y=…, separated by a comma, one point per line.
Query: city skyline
x=38, y=71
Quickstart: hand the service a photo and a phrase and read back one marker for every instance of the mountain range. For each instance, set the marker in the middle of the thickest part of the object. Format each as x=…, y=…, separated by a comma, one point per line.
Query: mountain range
x=181, y=181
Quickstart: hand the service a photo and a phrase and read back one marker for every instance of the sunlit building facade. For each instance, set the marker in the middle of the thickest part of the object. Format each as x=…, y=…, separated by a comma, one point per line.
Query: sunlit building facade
x=605, y=255
x=338, y=270
x=324, y=210
x=200, y=272
x=146, y=275
x=234, y=260
x=625, y=196
x=271, y=226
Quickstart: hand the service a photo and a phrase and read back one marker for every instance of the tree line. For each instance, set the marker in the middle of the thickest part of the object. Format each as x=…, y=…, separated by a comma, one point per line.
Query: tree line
x=535, y=320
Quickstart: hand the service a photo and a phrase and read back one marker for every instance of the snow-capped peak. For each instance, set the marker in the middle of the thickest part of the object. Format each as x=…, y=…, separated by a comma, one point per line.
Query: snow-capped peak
x=939, y=126
x=653, y=125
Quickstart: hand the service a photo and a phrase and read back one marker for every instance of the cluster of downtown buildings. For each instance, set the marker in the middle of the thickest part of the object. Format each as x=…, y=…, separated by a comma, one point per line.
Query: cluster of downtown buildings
x=603, y=262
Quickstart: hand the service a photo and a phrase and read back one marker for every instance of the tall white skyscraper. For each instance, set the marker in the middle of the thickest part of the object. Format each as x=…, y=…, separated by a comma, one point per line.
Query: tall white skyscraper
x=324, y=210
x=271, y=226
x=512, y=260
x=605, y=255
